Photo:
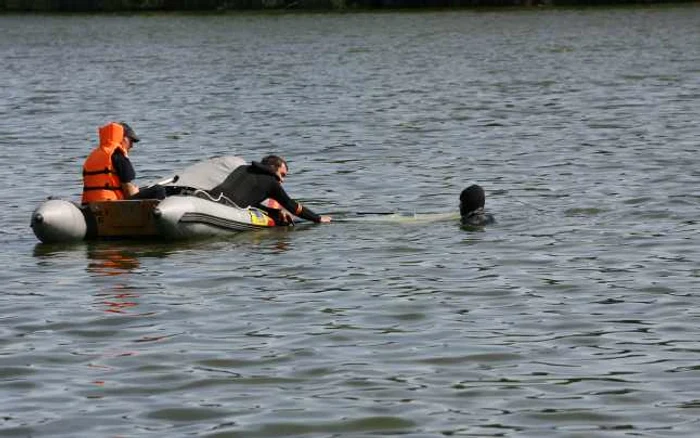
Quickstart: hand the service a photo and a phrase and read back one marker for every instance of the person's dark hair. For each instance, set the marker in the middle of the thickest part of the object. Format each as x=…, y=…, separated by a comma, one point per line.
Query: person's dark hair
x=472, y=198
x=274, y=161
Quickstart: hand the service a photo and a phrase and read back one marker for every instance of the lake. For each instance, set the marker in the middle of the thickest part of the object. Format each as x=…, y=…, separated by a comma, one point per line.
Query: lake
x=576, y=315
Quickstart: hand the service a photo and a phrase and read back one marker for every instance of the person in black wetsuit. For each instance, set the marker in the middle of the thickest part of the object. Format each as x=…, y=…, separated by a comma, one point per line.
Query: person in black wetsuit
x=471, y=207
x=250, y=185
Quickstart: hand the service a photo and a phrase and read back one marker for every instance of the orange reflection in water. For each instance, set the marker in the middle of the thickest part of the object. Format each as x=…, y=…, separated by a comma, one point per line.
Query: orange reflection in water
x=119, y=302
x=109, y=262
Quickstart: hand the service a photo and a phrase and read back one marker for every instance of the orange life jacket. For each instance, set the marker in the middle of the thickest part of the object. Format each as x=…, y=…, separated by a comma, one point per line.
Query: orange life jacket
x=100, y=180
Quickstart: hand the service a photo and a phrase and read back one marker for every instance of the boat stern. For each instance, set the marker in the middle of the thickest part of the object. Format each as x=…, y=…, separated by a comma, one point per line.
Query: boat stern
x=58, y=220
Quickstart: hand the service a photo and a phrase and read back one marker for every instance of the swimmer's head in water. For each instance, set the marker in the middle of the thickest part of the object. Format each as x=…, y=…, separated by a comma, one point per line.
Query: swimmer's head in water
x=471, y=199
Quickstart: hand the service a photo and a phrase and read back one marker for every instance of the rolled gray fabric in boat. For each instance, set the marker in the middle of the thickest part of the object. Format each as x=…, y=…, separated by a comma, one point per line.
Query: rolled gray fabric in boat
x=207, y=174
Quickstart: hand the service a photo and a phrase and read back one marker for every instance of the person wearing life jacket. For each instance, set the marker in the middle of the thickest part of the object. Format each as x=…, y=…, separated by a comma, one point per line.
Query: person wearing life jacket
x=108, y=174
x=252, y=184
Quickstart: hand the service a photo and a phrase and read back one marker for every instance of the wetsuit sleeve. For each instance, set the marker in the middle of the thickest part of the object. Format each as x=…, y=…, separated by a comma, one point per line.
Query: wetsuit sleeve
x=279, y=195
x=123, y=167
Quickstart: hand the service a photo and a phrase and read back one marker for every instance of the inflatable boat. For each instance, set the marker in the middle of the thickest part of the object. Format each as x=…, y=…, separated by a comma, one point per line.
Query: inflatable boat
x=187, y=212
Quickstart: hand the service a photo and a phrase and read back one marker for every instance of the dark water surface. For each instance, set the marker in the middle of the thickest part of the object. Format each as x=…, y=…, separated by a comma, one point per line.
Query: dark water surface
x=576, y=315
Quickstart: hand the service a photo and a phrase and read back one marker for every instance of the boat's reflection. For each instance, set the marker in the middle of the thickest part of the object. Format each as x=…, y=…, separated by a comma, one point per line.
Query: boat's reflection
x=108, y=258
x=114, y=264
x=108, y=261
x=119, y=268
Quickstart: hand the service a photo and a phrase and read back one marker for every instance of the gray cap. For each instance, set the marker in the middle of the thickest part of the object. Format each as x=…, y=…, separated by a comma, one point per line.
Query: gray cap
x=128, y=132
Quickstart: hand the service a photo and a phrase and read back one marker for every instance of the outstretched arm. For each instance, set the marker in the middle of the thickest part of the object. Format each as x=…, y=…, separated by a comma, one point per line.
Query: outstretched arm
x=295, y=207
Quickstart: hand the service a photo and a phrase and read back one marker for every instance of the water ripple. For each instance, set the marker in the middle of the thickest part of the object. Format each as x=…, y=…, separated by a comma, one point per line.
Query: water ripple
x=573, y=315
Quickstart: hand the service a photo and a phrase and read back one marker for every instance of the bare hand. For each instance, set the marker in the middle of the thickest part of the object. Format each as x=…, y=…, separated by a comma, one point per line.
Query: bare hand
x=325, y=219
x=286, y=217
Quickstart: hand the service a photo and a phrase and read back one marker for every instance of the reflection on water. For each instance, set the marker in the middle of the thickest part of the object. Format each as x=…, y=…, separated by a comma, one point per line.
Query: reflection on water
x=105, y=261
x=110, y=261
x=118, y=300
